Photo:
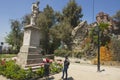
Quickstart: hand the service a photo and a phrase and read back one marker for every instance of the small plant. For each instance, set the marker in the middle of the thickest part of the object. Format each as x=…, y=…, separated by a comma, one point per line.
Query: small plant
x=103, y=25
x=40, y=71
x=55, y=67
x=30, y=74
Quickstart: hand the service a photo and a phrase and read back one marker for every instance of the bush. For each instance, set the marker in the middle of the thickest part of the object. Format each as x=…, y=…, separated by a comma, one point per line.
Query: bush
x=116, y=49
x=62, y=52
x=55, y=68
x=14, y=72
x=40, y=71
x=78, y=54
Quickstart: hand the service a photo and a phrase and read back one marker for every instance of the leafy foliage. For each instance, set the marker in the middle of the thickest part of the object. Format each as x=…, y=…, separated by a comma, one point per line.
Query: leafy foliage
x=43, y=25
x=117, y=16
x=116, y=49
x=104, y=38
x=14, y=38
x=72, y=13
x=103, y=26
x=12, y=71
x=49, y=13
x=26, y=19
x=62, y=32
x=66, y=21
x=55, y=67
x=40, y=72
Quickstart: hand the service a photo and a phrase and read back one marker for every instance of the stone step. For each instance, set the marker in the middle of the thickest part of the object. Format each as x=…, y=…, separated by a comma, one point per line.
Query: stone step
x=32, y=65
x=34, y=68
x=34, y=56
x=34, y=61
x=32, y=50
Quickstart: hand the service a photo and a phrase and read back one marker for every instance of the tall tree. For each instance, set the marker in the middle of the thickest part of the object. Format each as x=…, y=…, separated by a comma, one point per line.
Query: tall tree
x=49, y=13
x=117, y=18
x=62, y=32
x=14, y=38
x=26, y=19
x=67, y=20
x=45, y=21
x=72, y=13
x=43, y=26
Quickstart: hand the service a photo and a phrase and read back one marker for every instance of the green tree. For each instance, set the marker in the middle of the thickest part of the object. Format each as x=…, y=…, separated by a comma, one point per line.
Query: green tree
x=45, y=21
x=43, y=26
x=103, y=33
x=14, y=38
x=116, y=17
x=62, y=32
x=72, y=13
x=66, y=21
x=50, y=15
x=26, y=19
x=116, y=49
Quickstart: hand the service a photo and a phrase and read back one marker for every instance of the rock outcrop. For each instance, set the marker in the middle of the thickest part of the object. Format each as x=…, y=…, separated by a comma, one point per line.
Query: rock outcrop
x=78, y=35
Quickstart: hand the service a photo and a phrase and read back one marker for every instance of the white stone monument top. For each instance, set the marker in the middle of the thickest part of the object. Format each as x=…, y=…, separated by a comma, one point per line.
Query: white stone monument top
x=35, y=11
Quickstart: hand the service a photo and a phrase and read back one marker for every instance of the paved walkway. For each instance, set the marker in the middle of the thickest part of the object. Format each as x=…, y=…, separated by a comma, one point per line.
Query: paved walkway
x=87, y=72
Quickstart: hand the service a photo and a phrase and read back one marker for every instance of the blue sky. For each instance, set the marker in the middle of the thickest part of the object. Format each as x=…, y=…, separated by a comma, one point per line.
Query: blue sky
x=16, y=9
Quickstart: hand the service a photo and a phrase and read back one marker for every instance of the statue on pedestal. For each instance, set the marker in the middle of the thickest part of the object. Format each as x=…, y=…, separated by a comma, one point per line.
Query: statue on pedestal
x=35, y=12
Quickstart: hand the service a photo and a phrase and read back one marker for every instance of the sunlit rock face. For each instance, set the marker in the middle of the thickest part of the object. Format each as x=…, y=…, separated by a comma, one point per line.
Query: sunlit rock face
x=78, y=35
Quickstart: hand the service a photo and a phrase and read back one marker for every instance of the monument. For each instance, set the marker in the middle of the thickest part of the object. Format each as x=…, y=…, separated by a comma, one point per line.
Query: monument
x=30, y=51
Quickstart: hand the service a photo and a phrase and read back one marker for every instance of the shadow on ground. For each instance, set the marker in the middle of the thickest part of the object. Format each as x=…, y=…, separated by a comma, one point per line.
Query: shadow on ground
x=69, y=78
x=52, y=78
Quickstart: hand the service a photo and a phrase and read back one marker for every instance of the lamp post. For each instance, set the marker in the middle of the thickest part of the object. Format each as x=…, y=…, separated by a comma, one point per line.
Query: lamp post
x=98, y=68
x=97, y=29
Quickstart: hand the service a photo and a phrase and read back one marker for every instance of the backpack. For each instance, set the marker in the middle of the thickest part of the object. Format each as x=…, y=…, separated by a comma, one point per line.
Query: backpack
x=67, y=63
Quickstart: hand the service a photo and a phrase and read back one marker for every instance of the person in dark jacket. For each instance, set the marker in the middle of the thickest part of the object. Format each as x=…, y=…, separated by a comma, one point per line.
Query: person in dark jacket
x=65, y=67
x=47, y=69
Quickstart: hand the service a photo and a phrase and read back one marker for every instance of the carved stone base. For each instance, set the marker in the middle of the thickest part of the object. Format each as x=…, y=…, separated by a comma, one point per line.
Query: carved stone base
x=29, y=55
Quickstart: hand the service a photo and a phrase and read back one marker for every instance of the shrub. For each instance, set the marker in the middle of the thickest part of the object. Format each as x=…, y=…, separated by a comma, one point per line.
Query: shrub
x=62, y=52
x=21, y=75
x=116, y=49
x=11, y=69
x=40, y=72
x=78, y=54
x=55, y=68
x=30, y=74
x=14, y=72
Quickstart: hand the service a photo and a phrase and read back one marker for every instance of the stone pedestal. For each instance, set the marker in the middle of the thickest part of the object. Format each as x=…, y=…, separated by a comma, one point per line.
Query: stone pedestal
x=30, y=51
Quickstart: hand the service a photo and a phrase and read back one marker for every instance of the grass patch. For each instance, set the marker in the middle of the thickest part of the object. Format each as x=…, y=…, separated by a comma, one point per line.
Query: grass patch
x=7, y=55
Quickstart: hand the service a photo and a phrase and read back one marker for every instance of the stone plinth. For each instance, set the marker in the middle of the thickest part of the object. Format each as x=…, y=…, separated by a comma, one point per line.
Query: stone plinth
x=30, y=51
